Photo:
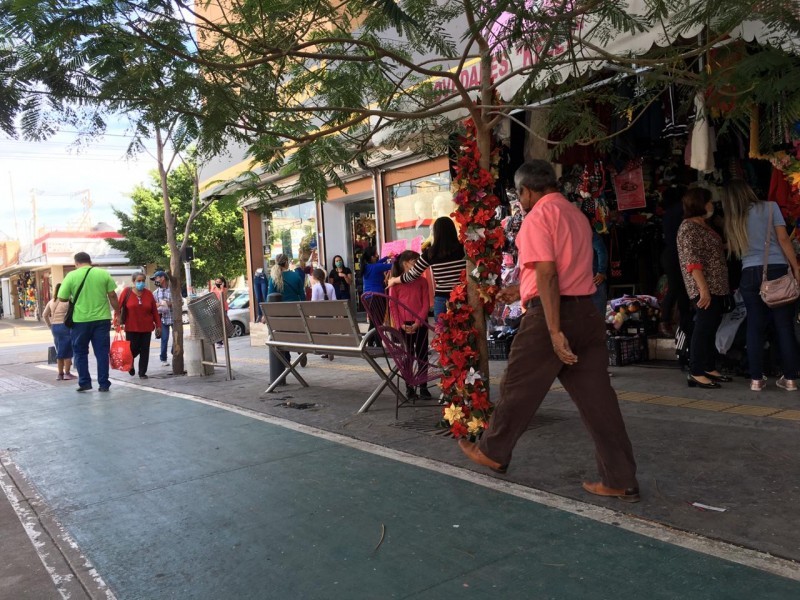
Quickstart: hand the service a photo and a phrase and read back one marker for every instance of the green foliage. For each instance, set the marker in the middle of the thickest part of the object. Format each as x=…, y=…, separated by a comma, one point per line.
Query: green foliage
x=217, y=235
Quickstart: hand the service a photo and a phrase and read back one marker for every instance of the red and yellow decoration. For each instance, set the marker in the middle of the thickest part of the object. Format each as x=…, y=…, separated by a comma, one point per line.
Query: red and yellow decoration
x=465, y=389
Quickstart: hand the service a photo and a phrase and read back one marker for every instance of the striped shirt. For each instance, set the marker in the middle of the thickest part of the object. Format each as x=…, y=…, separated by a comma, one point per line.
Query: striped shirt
x=446, y=271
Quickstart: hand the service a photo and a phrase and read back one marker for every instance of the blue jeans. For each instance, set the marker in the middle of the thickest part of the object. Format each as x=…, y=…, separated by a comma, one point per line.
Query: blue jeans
x=98, y=333
x=759, y=317
x=164, y=341
x=599, y=299
x=439, y=307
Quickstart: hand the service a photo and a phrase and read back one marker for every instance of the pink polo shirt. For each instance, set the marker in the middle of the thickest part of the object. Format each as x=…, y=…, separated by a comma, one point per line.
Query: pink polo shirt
x=556, y=231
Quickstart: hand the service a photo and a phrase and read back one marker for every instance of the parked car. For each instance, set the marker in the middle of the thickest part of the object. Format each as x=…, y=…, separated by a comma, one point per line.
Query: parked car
x=239, y=314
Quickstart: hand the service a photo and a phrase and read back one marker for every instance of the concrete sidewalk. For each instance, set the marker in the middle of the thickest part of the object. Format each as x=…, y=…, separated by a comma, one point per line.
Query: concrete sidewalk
x=729, y=448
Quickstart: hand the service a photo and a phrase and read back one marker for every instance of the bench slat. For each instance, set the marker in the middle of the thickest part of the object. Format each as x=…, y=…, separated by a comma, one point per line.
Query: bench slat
x=329, y=325
x=291, y=324
x=335, y=340
x=290, y=338
x=331, y=308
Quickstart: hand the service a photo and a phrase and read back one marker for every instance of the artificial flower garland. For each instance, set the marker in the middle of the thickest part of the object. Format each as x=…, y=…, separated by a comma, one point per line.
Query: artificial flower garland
x=465, y=390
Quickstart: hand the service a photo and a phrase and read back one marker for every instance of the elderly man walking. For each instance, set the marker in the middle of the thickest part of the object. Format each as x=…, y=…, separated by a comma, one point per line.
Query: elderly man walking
x=91, y=290
x=163, y=297
x=560, y=336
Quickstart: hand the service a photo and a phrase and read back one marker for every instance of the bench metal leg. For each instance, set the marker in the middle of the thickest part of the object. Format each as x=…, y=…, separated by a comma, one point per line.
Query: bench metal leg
x=290, y=368
x=387, y=382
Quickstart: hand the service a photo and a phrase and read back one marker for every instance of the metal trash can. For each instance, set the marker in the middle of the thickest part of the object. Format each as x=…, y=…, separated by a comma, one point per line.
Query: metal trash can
x=206, y=312
x=275, y=365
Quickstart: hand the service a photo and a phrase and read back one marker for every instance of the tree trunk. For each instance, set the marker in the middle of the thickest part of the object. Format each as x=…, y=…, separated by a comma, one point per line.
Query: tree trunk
x=174, y=264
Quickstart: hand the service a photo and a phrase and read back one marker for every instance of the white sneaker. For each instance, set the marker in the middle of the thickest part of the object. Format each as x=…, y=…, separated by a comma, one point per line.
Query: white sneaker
x=164, y=363
x=756, y=385
x=787, y=384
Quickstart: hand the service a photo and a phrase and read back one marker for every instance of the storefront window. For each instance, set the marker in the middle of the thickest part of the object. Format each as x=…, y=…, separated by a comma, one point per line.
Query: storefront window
x=292, y=230
x=416, y=204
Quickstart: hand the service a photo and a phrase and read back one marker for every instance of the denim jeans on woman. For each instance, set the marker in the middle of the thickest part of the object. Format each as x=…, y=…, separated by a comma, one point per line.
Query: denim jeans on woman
x=759, y=316
x=703, y=349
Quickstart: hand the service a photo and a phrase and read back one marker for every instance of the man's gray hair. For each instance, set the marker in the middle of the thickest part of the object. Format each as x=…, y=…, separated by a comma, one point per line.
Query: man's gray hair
x=537, y=175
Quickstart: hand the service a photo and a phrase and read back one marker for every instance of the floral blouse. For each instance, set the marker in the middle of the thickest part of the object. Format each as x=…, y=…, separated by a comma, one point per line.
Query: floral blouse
x=700, y=247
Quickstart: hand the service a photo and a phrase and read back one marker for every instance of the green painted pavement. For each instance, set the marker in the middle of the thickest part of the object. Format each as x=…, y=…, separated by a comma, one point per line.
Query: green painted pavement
x=174, y=499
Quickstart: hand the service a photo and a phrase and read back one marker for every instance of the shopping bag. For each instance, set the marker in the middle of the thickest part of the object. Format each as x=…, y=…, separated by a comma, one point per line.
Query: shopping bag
x=51, y=355
x=120, y=357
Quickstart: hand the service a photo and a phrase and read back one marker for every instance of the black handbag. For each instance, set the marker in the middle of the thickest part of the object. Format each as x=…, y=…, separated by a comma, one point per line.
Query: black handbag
x=68, y=322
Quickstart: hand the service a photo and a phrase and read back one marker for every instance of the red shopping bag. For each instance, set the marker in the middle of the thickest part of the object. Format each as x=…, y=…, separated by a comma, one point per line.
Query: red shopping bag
x=120, y=357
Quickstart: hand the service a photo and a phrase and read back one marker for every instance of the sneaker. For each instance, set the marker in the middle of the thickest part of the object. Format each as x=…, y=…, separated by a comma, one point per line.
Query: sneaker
x=143, y=376
x=102, y=389
x=84, y=388
x=132, y=372
x=787, y=384
x=164, y=363
x=756, y=385
x=304, y=360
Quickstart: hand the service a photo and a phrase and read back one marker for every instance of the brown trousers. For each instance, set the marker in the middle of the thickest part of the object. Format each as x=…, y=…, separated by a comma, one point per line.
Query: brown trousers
x=532, y=368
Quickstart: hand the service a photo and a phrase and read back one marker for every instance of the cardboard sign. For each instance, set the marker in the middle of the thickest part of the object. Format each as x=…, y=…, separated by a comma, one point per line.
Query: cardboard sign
x=629, y=187
x=393, y=248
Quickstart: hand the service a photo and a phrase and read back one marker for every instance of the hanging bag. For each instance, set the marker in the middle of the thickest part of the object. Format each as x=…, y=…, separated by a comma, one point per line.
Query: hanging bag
x=71, y=308
x=120, y=357
x=783, y=290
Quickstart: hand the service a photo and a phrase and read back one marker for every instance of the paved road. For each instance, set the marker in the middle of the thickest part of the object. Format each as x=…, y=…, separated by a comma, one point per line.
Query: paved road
x=173, y=498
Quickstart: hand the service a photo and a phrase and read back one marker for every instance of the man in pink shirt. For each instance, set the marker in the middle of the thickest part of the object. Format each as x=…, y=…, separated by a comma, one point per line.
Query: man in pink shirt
x=560, y=336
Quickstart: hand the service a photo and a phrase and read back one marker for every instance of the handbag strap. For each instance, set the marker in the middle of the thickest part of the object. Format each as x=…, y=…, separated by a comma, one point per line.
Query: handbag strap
x=767, y=242
x=80, y=287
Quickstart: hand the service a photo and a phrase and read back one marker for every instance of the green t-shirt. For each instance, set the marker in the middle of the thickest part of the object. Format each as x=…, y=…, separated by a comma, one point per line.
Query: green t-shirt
x=92, y=304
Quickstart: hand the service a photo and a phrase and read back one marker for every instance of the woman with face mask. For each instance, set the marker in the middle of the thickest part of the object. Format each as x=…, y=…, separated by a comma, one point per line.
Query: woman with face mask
x=341, y=278
x=705, y=273
x=139, y=317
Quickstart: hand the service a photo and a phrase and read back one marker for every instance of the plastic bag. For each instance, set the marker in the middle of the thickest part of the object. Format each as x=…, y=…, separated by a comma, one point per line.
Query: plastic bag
x=120, y=357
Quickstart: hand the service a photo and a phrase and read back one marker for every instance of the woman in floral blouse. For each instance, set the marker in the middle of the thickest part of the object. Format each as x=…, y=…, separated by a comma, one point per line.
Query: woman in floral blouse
x=705, y=273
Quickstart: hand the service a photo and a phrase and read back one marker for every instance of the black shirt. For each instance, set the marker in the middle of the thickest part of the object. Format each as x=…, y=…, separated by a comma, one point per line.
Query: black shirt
x=340, y=283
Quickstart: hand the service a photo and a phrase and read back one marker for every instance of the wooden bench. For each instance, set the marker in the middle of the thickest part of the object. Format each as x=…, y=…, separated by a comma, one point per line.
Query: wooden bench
x=322, y=328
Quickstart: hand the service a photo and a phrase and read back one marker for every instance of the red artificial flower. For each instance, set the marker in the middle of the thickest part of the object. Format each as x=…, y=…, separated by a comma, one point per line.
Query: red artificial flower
x=459, y=430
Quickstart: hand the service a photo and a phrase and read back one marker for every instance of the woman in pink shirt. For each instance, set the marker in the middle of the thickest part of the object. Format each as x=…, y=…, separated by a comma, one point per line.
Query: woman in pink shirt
x=409, y=318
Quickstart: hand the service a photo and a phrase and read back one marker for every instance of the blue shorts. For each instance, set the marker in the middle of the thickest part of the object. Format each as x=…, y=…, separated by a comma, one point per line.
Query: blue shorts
x=62, y=340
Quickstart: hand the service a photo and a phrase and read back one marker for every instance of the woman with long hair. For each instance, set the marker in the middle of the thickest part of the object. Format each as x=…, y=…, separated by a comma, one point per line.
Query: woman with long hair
x=54, y=314
x=705, y=274
x=341, y=277
x=290, y=284
x=747, y=219
x=446, y=259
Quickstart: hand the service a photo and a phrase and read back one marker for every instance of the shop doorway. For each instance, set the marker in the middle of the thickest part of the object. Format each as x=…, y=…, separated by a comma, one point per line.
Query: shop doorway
x=362, y=231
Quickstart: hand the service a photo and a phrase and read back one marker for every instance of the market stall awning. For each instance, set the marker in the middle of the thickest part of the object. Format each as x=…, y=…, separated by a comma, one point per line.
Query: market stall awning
x=24, y=266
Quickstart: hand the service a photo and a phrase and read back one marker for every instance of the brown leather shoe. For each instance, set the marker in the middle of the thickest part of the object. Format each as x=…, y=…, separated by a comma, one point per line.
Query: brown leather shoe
x=475, y=455
x=598, y=489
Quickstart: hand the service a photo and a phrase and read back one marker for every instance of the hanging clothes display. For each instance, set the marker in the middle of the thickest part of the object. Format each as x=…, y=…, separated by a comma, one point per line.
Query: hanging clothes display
x=702, y=146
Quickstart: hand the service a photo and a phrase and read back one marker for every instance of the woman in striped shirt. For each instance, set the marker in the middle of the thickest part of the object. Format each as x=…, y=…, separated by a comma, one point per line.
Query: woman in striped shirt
x=446, y=259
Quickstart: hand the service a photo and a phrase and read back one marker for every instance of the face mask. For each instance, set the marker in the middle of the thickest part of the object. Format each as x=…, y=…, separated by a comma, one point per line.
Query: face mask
x=140, y=285
x=219, y=285
x=709, y=214
x=339, y=263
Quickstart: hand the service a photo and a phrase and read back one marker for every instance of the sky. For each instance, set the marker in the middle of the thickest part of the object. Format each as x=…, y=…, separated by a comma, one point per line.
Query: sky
x=58, y=176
